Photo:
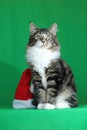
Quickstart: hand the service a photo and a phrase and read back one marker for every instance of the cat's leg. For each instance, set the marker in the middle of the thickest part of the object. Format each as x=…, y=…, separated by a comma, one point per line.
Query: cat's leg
x=43, y=96
x=51, y=88
x=40, y=97
x=46, y=99
x=40, y=105
x=61, y=103
x=50, y=99
x=38, y=91
x=66, y=99
x=72, y=100
x=46, y=95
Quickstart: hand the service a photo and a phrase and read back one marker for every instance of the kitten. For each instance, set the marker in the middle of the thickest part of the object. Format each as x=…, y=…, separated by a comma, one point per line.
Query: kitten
x=53, y=80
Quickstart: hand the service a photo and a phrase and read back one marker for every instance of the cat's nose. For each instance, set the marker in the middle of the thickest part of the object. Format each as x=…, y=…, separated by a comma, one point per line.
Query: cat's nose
x=43, y=41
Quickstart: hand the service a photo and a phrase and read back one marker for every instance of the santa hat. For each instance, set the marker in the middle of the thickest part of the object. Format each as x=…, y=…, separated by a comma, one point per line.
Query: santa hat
x=23, y=96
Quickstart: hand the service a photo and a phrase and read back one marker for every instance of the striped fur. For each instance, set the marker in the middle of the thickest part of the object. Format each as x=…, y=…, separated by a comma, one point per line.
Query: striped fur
x=53, y=80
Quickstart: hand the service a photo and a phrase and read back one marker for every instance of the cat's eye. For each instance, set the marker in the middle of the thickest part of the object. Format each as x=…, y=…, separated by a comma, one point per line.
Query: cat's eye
x=37, y=37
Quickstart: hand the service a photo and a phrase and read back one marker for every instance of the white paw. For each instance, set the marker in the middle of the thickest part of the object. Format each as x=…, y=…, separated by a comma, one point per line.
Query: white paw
x=40, y=106
x=62, y=105
x=49, y=106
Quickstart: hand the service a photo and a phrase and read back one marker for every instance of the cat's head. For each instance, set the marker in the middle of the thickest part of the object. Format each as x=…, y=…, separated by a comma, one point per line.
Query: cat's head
x=43, y=37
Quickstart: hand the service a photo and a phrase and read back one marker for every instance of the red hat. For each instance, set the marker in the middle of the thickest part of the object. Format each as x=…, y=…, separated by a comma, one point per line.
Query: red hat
x=23, y=95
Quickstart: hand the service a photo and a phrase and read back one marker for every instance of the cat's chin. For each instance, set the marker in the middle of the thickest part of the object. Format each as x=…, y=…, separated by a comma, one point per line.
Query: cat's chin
x=46, y=106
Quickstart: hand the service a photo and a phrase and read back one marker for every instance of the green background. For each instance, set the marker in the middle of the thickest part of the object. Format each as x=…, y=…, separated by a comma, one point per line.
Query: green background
x=15, y=16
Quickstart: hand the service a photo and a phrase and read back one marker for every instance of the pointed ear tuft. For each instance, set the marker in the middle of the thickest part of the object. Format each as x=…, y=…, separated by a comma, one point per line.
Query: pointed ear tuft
x=33, y=28
x=53, y=29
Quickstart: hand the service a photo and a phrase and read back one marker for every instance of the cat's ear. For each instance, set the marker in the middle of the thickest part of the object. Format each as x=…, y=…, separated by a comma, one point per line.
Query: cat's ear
x=53, y=29
x=33, y=28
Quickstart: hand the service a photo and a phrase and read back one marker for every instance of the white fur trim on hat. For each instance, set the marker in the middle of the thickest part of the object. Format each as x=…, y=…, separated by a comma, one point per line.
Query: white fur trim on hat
x=20, y=104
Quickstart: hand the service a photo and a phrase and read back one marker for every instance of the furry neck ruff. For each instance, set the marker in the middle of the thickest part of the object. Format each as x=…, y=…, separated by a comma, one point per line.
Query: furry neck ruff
x=41, y=58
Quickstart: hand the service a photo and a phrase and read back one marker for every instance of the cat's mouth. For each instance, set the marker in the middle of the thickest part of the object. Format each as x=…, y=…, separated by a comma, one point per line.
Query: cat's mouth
x=39, y=44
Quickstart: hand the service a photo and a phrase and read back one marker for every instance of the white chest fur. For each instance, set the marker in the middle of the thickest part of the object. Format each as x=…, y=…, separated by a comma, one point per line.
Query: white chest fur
x=41, y=58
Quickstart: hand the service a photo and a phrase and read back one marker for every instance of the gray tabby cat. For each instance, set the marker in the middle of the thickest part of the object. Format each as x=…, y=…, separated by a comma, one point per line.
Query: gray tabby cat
x=53, y=83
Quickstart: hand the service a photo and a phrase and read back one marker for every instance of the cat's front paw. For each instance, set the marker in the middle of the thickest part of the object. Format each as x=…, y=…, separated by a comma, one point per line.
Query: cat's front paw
x=40, y=106
x=49, y=106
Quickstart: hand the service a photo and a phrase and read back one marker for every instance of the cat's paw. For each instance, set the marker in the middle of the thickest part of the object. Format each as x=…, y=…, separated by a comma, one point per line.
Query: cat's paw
x=49, y=106
x=40, y=106
x=62, y=105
